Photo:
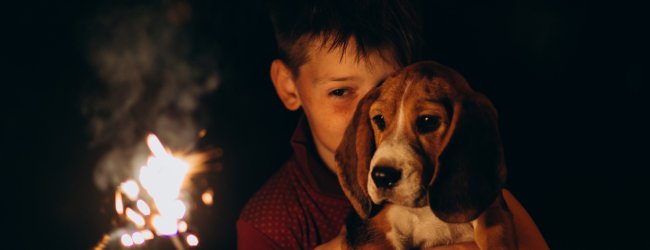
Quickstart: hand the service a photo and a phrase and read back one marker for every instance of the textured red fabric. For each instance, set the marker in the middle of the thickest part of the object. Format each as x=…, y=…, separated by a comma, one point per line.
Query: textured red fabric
x=300, y=206
x=254, y=238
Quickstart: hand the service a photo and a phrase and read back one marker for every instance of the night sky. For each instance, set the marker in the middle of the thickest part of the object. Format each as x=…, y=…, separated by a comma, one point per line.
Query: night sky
x=568, y=78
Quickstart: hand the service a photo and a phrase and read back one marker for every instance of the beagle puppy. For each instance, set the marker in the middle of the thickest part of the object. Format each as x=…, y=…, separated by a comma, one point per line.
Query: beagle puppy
x=422, y=164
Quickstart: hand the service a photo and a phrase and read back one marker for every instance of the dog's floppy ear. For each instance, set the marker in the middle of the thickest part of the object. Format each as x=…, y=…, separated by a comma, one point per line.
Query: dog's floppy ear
x=353, y=156
x=471, y=170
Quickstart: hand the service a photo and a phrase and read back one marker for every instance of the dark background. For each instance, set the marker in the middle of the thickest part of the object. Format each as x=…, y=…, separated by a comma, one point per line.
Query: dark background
x=569, y=79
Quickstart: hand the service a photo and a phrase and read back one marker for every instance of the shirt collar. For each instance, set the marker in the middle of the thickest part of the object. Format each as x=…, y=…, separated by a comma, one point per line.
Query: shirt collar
x=318, y=175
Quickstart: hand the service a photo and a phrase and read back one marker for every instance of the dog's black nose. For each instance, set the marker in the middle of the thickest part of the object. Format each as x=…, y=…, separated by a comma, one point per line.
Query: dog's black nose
x=385, y=177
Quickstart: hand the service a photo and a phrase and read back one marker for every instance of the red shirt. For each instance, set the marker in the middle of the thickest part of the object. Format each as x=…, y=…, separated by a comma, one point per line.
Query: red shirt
x=299, y=207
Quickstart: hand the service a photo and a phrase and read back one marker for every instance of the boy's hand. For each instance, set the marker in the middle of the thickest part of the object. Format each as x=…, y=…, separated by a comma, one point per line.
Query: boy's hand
x=334, y=244
x=457, y=246
x=338, y=242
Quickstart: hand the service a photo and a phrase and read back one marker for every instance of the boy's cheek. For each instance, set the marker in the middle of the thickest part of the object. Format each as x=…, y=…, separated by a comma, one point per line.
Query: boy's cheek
x=343, y=111
x=345, y=107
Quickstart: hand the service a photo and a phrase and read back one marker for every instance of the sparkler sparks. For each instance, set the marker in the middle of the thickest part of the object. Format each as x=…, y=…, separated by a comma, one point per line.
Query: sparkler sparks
x=131, y=189
x=182, y=226
x=146, y=234
x=135, y=217
x=119, y=204
x=138, y=238
x=155, y=204
x=126, y=240
x=143, y=207
x=192, y=240
x=207, y=197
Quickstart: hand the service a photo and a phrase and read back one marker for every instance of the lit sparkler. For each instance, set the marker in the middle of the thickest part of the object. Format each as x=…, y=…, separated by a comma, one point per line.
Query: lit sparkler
x=152, y=204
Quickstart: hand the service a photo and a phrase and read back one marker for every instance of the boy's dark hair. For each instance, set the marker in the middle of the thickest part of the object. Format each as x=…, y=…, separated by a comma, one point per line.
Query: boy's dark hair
x=377, y=25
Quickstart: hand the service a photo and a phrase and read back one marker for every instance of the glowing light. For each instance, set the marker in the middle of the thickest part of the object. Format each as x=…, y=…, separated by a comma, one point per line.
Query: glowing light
x=126, y=240
x=147, y=234
x=135, y=217
x=207, y=197
x=164, y=225
x=152, y=202
x=143, y=207
x=182, y=226
x=138, y=238
x=163, y=175
x=192, y=240
x=131, y=189
x=119, y=204
x=202, y=133
x=155, y=145
x=172, y=209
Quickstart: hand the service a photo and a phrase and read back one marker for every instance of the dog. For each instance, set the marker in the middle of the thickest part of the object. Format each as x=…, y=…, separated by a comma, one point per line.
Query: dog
x=422, y=165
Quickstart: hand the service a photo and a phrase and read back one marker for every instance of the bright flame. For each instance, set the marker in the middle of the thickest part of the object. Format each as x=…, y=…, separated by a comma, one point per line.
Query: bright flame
x=143, y=207
x=207, y=197
x=155, y=145
x=182, y=226
x=163, y=175
x=172, y=209
x=135, y=217
x=155, y=197
x=164, y=225
x=138, y=238
x=131, y=189
x=192, y=240
x=119, y=204
x=126, y=240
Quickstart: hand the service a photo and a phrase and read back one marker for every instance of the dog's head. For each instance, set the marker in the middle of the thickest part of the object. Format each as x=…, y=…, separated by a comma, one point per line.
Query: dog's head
x=423, y=137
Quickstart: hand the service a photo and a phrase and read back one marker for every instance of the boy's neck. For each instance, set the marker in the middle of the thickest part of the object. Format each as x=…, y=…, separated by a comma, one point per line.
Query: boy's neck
x=326, y=156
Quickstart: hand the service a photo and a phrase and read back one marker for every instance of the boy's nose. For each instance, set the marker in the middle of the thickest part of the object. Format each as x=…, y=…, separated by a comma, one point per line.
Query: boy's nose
x=385, y=177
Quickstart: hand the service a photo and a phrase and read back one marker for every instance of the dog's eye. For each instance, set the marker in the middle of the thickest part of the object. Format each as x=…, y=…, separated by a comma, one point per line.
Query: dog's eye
x=427, y=123
x=379, y=121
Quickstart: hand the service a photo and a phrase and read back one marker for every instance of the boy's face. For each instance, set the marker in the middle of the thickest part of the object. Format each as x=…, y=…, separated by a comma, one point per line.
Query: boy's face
x=329, y=87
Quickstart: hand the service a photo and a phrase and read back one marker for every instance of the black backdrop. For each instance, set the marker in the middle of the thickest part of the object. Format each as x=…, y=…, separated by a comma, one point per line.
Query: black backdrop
x=567, y=77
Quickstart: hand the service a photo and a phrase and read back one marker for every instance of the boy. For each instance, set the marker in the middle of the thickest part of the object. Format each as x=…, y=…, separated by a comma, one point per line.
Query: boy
x=331, y=54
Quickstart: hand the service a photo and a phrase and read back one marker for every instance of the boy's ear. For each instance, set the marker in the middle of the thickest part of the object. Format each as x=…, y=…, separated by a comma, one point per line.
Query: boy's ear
x=284, y=84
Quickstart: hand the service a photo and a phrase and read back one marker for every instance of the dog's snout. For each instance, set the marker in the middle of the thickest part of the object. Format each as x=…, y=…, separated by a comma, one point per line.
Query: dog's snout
x=385, y=177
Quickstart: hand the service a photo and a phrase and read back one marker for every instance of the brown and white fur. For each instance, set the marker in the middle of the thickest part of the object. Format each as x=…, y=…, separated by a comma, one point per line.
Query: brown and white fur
x=422, y=165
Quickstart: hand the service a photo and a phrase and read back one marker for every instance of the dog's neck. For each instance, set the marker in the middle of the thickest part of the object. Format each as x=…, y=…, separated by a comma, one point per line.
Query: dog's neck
x=420, y=228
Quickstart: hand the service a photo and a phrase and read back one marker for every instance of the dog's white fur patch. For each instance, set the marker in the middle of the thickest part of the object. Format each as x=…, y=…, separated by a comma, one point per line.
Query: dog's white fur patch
x=395, y=151
x=401, y=156
x=420, y=228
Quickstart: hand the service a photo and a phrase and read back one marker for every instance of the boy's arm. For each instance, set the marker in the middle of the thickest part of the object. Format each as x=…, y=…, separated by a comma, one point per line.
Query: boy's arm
x=528, y=235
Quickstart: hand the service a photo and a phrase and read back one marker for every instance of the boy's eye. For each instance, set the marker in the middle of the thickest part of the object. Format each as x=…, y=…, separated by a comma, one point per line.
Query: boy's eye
x=338, y=92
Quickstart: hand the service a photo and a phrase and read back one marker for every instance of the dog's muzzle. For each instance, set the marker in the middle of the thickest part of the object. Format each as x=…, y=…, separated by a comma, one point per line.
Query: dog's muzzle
x=386, y=177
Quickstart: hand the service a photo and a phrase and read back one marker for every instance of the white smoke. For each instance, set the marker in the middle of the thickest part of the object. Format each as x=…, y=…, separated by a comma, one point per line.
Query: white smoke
x=152, y=79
